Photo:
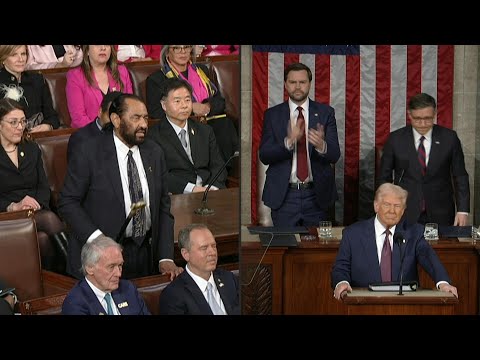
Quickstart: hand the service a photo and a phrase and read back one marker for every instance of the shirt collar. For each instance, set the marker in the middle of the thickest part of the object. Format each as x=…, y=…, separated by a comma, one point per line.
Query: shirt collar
x=123, y=149
x=178, y=128
x=201, y=282
x=294, y=106
x=380, y=229
x=417, y=135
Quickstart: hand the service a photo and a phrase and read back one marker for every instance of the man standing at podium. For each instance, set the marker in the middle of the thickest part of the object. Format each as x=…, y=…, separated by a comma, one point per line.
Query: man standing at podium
x=368, y=254
x=300, y=146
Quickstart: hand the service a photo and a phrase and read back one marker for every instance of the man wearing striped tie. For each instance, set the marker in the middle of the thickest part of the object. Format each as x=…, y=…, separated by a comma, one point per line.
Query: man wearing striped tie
x=427, y=160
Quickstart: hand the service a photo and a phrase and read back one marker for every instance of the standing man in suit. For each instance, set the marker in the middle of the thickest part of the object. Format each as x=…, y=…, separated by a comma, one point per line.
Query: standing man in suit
x=365, y=254
x=94, y=128
x=201, y=289
x=300, y=145
x=190, y=148
x=104, y=174
x=101, y=291
x=444, y=185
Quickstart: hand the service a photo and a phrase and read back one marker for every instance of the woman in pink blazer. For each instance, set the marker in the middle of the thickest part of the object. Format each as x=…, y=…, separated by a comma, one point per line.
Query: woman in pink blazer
x=97, y=75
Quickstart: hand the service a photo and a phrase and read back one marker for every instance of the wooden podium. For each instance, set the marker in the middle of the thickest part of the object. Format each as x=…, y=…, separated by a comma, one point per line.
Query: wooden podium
x=420, y=302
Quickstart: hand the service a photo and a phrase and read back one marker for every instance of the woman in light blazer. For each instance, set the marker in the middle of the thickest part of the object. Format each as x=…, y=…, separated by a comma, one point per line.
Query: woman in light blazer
x=98, y=74
x=53, y=56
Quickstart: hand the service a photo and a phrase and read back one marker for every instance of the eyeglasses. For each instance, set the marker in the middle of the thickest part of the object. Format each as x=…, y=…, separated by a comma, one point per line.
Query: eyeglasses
x=16, y=122
x=179, y=49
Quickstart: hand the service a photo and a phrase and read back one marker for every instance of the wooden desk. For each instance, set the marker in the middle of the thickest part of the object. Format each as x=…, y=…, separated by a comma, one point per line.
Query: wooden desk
x=224, y=223
x=297, y=280
x=421, y=302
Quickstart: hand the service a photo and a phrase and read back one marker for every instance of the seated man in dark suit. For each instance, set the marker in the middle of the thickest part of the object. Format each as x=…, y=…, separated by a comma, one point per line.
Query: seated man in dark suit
x=201, y=289
x=190, y=148
x=365, y=255
x=101, y=291
x=95, y=127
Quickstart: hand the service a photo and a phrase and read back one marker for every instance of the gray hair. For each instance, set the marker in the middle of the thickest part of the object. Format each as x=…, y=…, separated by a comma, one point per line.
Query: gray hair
x=184, y=234
x=164, y=53
x=389, y=188
x=93, y=250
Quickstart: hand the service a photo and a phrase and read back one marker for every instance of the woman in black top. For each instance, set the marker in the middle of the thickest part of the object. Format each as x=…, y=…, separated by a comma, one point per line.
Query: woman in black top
x=24, y=184
x=28, y=88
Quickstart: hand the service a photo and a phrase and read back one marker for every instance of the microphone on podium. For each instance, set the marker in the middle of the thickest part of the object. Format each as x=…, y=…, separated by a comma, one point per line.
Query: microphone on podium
x=205, y=210
x=134, y=208
x=400, y=240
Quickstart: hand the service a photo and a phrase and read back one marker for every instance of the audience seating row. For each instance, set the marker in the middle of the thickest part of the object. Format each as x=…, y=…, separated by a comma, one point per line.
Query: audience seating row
x=223, y=70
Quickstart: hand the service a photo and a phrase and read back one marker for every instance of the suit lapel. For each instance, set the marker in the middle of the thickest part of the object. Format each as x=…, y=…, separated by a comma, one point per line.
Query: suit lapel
x=222, y=289
x=416, y=171
x=281, y=129
x=96, y=306
x=121, y=302
x=435, y=149
x=313, y=120
x=370, y=249
x=192, y=287
x=148, y=165
x=110, y=161
x=194, y=140
x=172, y=137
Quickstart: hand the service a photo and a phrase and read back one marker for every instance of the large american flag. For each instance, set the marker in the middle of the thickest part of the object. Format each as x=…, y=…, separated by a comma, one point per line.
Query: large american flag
x=369, y=87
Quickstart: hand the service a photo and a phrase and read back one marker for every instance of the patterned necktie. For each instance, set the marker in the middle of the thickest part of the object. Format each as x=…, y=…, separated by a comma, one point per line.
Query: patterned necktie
x=108, y=299
x=183, y=138
x=136, y=195
x=386, y=260
x=302, y=166
x=422, y=156
x=216, y=309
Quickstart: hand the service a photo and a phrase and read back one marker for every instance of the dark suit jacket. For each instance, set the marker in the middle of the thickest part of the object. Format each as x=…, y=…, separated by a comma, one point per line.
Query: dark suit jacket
x=81, y=135
x=5, y=308
x=183, y=296
x=92, y=197
x=274, y=153
x=205, y=154
x=36, y=96
x=28, y=179
x=154, y=86
x=81, y=300
x=357, y=259
x=445, y=182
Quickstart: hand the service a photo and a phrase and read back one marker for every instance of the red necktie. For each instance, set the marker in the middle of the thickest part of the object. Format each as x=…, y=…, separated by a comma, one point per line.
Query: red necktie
x=302, y=166
x=422, y=159
x=422, y=156
x=386, y=260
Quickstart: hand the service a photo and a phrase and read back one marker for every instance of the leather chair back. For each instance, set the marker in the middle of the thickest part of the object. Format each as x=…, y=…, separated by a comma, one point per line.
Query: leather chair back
x=54, y=156
x=57, y=80
x=226, y=74
x=151, y=287
x=20, y=265
x=139, y=71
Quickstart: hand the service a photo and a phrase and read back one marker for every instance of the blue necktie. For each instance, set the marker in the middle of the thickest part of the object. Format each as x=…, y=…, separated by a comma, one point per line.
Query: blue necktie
x=108, y=299
x=216, y=309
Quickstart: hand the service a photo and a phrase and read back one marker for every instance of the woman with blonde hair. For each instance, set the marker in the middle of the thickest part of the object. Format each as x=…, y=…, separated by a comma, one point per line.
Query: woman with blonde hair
x=28, y=88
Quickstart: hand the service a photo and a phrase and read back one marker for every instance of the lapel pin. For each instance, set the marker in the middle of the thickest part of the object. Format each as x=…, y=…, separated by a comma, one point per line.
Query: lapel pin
x=22, y=154
x=122, y=305
x=316, y=114
x=437, y=142
x=192, y=131
x=150, y=168
x=101, y=313
x=220, y=283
